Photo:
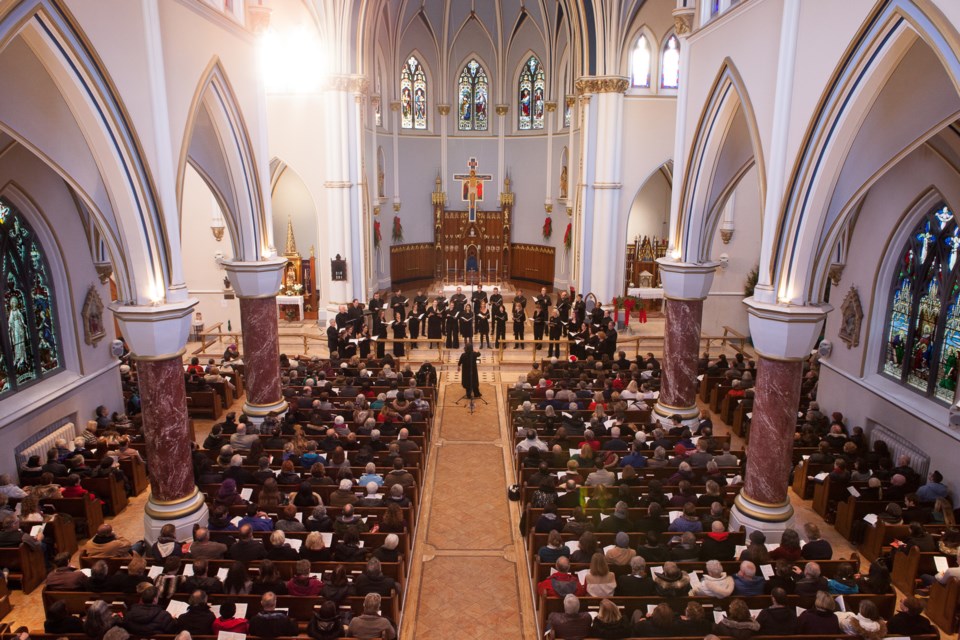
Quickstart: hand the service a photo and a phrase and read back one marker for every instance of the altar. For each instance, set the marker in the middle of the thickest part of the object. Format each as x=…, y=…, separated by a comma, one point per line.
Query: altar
x=651, y=298
x=297, y=301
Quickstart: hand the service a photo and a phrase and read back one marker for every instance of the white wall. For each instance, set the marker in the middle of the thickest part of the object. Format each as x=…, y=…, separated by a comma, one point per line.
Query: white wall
x=650, y=211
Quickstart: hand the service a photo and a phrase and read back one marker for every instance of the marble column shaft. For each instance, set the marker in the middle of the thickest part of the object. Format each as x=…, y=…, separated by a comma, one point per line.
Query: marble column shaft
x=681, y=346
x=772, y=430
x=261, y=350
x=163, y=398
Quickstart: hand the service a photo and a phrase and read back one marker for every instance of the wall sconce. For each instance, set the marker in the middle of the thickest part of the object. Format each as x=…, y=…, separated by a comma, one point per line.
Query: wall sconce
x=217, y=225
x=724, y=261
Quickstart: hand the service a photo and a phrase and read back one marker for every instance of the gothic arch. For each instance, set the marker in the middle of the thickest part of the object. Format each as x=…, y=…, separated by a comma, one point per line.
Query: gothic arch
x=726, y=145
x=810, y=220
x=88, y=140
x=217, y=144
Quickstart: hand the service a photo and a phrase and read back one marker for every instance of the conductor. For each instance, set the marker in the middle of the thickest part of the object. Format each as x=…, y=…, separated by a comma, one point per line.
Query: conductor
x=469, y=379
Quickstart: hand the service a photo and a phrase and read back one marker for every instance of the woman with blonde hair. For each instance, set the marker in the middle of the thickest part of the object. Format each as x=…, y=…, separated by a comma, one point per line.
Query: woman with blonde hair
x=610, y=623
x=600, y=582
x=738, y=622
x=315, y=548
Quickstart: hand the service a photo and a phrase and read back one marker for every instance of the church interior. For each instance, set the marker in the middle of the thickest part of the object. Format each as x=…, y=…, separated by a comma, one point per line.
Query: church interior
x=479, y=318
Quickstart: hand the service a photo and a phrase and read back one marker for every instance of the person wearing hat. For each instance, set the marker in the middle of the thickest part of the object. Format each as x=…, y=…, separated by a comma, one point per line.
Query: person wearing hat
x=621, y=553
x=933, y=489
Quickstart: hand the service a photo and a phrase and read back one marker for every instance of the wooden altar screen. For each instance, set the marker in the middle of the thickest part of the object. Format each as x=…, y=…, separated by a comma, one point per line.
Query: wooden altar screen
x=472, y=239
x=411, y=263
x=533, y=263
x=642, y=256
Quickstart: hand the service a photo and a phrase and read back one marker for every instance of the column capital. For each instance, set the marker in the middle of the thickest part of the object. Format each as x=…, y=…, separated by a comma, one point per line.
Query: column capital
x=259, y=279
x=785, y=332
x=686, y=280
x=155, y=332
x=602, y=84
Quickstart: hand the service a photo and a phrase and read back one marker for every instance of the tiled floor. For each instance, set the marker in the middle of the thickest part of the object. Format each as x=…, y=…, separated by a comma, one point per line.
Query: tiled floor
x=465, y=580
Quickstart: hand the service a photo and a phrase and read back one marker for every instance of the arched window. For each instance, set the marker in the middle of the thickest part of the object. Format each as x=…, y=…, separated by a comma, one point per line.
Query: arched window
x=29, y=340
x=530, y=108
x=413, y=95
x=472, y=96
x=923, y=317
x=670, y=64
x=640, y=63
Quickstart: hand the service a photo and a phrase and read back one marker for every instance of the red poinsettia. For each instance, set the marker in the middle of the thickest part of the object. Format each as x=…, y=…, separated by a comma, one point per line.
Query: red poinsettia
x=397, y=229
x=547, y=228
x=377, y=237
x=568, y=236
x=628, y=304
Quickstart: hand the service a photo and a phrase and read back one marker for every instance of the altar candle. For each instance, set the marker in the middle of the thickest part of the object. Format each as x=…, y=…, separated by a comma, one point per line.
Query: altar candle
x=480, y=268
x=447, y=264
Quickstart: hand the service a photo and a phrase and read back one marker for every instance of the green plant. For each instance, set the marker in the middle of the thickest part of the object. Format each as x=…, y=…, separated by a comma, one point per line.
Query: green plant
x=751, y=282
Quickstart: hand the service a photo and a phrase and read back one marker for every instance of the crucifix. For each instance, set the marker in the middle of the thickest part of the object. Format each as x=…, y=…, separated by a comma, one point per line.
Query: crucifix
x=472, y=187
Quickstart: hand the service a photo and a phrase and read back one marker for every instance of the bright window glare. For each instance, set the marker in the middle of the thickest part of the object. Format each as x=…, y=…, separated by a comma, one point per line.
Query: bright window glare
x=291, y=62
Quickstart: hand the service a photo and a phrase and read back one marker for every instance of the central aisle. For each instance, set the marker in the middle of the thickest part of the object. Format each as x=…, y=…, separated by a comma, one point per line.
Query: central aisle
x=468, y=577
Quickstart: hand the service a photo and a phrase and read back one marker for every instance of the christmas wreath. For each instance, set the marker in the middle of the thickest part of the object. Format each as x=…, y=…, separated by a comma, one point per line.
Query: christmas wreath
x=547, y=228
x=377, y=237
x=397, y=229
x=568, y=236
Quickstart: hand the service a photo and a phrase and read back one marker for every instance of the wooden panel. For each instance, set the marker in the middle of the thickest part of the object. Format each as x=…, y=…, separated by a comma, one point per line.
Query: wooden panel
x=532, y=263
x=412, y=262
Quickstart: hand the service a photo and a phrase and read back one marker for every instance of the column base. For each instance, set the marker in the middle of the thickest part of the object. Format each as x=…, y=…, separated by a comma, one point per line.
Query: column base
x=690, y=416
x=773, y=520
x=261, y=411
x=183, y=514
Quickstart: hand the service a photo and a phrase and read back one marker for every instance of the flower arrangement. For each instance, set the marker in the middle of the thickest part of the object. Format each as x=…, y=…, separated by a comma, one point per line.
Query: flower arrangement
x=292, y=289
x=397, y=229
x=568, y=236
x=547, y=228
x=377, y=236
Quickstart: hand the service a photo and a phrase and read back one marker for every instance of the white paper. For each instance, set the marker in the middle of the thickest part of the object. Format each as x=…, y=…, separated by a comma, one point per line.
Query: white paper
x=222, y=573
x=573, y=545
x=941, y=563
x=566, y=415
x=604, y=516
x=766, y=570
x=853, y=491
x=700, y=378
x=87, y=571
x=327, y=539
x=694, y=580
x=871, y=518
x=821, y=476
x=154, y=572
x=755, y=612
x=717, y=616
x=609, y=423
x=227, y=635
x=295, y=543
x=582, y=574
x=674, y=515
x=738, y=550
x=188, y=569
x=840, y=603
x=35, y=530
x=176, y=608
x=236, y=521
x=800, y=610
x=609, y=548
x=574, y=452
x=246, y=494
x=299, y=516
x=750, y=415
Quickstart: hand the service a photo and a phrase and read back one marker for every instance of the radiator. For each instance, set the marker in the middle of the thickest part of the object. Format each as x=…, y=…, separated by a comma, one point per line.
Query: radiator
x=900, y=446
x=39, y=443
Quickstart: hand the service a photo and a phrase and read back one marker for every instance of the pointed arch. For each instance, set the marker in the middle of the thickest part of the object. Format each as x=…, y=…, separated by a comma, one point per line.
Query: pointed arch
x=475, y=85
x=805, y=235
x=718, y=160
x=533, y=79
x=217, y=144
x=92, y=146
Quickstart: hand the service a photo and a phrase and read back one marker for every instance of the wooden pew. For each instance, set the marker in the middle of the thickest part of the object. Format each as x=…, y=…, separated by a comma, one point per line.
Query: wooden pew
x=907, y=567
x=204, y=404
x=136, y=472
x=25, y=564
x=110, y=490
x=87, y=514
x=942, y=607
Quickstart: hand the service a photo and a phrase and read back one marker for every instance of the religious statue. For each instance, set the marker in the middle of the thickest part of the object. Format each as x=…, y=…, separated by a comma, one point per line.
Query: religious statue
x=380, y=191
x=92, y=314
x=563, y=182
x=19, y=338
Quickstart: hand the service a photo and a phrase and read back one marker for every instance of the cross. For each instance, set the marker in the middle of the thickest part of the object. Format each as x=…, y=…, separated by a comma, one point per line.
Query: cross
x=472, y=187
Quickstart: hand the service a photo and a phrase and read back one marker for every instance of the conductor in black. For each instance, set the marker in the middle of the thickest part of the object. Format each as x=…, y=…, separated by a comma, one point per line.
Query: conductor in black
x=467, y=365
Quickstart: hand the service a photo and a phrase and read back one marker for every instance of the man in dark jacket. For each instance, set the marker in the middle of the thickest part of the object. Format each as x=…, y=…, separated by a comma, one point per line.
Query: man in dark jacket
x=198, y=619
x=638, y=582
x=146, y=618
x=717, y=544
x=572, y=624
x=200, y=580
x=908, y=620
x=372, y=580
x=779, y=619
x=270, y=623
x=247, y=549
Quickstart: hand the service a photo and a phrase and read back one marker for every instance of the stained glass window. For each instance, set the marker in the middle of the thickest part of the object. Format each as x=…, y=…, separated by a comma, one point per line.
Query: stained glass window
x=640, y=63
x=472, y=98
x=567, y=112
x=670, y=64
x=923, y=318
x=530, y=108
x=413, y=95
x=29, y=342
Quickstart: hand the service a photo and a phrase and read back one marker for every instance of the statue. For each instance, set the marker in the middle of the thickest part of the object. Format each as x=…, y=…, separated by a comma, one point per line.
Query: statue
x=380, y=191
x=18, y=335
x=563, y=182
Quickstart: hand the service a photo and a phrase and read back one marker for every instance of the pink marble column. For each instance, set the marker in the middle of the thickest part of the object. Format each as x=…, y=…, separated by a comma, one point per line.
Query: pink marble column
x=163, y=399
x=681, y=345
x=261, y=353
x=772, y=429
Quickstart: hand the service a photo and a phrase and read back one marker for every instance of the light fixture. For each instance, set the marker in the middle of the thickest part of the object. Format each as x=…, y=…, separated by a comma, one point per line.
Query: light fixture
x=217, y=224
x=724, y=261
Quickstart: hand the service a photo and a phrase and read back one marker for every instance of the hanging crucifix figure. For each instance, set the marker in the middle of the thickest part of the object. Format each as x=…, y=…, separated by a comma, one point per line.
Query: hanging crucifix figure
x=472, y=187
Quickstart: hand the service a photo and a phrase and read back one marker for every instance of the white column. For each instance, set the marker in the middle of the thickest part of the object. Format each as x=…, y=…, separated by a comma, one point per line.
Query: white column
x=600, y=271
x=444, y=110
x=766, y=291
x=679, y=146
x=548, y=195
x=501, y=110
x=359, y=236
x=395, y=117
